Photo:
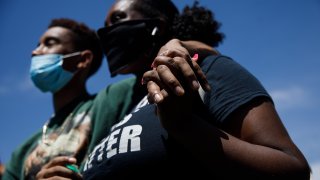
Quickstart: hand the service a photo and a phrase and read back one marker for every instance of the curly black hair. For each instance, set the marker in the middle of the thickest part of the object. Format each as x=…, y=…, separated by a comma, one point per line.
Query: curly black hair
x=197, y=23
x=157, y=8
x=193, y=23
x=85, y=38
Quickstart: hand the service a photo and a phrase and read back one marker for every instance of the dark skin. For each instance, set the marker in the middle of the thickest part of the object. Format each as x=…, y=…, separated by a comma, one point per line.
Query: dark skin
x=122, y=11
x=60, y=40
x=254, y=144
x=242, y=144
x=56, y=169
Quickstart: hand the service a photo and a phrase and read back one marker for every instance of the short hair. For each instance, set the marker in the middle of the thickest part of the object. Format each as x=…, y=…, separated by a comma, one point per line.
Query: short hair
x=85, y=39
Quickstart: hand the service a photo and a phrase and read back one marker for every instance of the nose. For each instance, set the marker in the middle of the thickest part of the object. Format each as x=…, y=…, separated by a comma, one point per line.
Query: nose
x=38, y=50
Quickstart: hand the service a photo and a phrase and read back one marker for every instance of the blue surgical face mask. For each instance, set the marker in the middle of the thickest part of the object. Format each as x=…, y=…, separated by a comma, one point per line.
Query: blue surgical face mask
x=47, y=73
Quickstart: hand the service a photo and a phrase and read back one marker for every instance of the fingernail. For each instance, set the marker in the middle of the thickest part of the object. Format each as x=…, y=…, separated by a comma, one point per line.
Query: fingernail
x=157, y=98
x=207, y=85
x=142, y=81
x=195, y=57
x=179, y=91
x=72, y=159
x=208, y=88
x=152, y=65
x=195, y=85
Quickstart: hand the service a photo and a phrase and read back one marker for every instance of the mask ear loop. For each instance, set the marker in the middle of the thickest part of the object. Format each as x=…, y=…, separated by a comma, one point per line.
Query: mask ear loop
x=72, y=54
x=154, y=31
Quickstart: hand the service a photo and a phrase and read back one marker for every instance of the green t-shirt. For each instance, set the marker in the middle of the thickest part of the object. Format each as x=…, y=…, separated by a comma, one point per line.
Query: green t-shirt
x=73, y=131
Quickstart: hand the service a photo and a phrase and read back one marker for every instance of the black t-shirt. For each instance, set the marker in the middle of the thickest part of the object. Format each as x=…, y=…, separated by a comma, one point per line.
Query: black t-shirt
x=139, y=148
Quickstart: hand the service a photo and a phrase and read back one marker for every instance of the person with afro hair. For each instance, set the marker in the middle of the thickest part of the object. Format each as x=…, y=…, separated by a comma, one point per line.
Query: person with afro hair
x=193, y=113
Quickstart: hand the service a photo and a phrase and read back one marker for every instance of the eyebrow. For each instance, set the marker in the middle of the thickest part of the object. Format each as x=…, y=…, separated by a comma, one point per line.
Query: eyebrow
x=52, y=38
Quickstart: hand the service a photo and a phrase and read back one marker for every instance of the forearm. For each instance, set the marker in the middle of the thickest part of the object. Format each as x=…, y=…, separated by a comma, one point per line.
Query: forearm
x=221, y=151
x=196, y=47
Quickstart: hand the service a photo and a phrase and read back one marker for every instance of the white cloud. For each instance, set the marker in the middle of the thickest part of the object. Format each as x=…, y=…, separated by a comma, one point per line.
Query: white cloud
x=14, y=84
x=291, y=97
x=315, y=171
x=25, y=84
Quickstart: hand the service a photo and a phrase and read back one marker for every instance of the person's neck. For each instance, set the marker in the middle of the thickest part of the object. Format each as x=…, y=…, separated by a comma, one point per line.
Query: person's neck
x=67, y=95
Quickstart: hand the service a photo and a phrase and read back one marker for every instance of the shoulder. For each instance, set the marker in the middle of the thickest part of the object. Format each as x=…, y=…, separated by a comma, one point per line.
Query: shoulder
x=232, y=86
x=113, y=99
x=219, y=62
x=115, y=93
x=23, y=149
x=226, y=70
x=14, y=167
x=119, y=88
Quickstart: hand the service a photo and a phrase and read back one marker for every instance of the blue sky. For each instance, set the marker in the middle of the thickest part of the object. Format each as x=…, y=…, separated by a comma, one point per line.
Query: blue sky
x=278, y=41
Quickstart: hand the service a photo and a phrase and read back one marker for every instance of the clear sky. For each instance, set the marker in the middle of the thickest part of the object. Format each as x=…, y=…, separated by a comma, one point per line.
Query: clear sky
x=277, y=40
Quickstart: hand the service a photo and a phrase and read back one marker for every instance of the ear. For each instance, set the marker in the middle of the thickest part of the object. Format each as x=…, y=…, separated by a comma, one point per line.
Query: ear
x=86, y=59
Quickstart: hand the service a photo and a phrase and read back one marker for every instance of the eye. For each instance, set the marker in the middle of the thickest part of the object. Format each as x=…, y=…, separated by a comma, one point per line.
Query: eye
x=117, y=17
x=50, y=42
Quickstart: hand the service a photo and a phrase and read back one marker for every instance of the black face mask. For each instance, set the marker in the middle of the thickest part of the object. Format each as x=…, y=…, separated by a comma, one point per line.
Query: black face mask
x=126, y=42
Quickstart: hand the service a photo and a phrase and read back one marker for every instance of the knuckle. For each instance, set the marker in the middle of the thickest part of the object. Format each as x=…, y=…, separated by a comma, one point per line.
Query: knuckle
x=158, y=58
x=178, y=61
x=196, y=65
x=183, y=60
x=175, y=40
x=147, y=74
x=171, y=82
x=186, y=56
x=153, y=74
x=162, y=68
x=171, y=61
x=150, y=85
x=169, y=52
x=190, y=75
x=39, y=175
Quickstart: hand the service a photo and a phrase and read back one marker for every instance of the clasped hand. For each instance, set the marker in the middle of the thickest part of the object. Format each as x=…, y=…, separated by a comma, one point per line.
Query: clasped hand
x=56, y=169
x=174, y=81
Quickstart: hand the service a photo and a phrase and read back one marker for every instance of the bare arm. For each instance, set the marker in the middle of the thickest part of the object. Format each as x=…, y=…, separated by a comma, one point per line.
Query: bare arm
x=254, y=144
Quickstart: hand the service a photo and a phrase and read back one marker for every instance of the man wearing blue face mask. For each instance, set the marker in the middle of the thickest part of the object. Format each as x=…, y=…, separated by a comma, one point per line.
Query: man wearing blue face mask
x=47, y=72
x=68, y=53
